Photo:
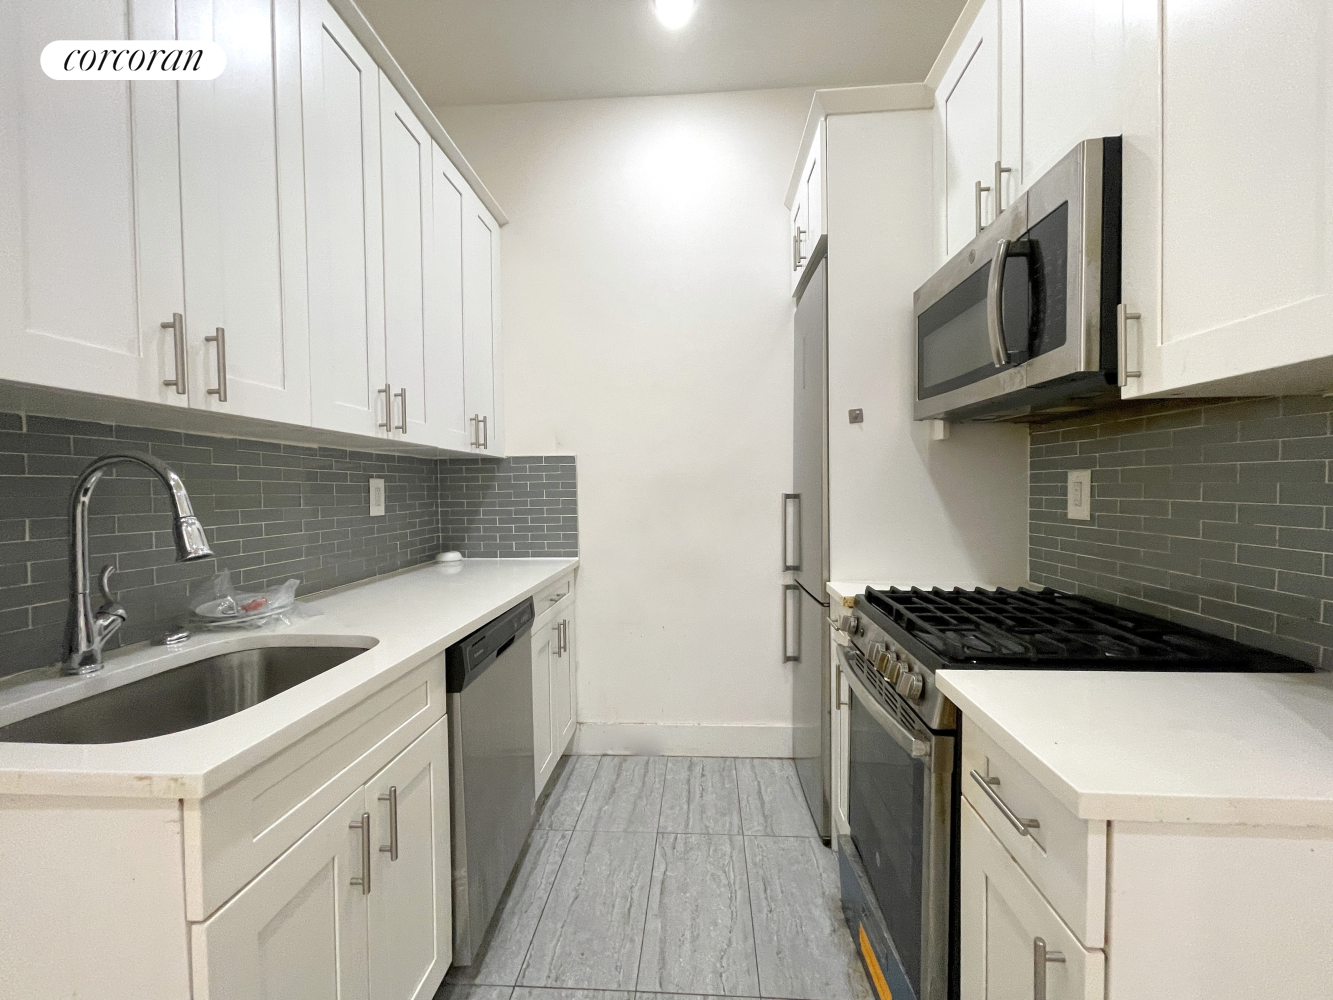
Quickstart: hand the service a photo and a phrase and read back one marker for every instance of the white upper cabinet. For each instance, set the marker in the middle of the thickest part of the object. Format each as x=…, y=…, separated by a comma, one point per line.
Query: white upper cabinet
x=343, y=222
x=449, y=427
x=968, y=105
x=807, y=213
x=481, y=317
x=1228, y=227
x=243, y=213
x=1059, y=82
x=90, y=262
x=406, y=167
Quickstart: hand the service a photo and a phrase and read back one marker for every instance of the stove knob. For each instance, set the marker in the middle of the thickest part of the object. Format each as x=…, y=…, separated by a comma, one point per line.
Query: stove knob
x=850, y=624
x=883, y=662
x=894, y=670
x=909, y=685
x=874, y=651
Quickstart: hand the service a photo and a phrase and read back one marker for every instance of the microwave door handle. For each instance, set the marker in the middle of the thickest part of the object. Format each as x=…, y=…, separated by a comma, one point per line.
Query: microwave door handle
x=999, y=353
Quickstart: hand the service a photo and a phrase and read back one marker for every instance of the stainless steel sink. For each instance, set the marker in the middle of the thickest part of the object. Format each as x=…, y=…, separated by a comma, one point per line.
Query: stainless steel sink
x=180, y=698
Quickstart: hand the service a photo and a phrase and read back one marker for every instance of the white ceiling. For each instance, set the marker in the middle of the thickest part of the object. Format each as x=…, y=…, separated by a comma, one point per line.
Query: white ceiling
x=509, y=51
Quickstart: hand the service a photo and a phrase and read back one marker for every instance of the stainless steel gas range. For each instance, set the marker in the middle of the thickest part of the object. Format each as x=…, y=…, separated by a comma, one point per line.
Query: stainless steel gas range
x=900, y=864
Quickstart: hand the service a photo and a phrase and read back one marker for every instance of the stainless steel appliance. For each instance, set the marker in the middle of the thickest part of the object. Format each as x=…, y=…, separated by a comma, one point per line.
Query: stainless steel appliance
x=492, y=786
x=900, y=864
x=1027, y=316
x=806, y=552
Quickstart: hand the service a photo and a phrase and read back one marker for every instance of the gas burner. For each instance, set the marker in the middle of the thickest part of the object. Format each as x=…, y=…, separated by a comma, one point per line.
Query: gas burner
x=1050, y=629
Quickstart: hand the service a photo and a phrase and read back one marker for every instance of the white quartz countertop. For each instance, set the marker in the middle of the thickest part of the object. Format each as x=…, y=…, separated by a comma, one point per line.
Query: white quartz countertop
x=1164, y=747
x=404, y=619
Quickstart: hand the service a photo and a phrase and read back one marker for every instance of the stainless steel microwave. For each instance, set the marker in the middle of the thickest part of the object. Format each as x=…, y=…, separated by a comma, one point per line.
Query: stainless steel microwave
x=1023, y=318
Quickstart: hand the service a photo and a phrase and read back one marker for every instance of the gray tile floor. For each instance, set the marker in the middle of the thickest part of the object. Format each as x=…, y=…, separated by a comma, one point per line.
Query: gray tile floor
x=662, y=876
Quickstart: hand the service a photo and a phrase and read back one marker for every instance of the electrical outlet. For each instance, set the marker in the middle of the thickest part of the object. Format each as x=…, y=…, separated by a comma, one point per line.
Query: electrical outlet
x=1079, y=507
x=377, y=498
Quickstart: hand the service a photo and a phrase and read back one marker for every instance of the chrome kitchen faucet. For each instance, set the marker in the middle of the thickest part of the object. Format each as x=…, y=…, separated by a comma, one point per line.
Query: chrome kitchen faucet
x=87, y=632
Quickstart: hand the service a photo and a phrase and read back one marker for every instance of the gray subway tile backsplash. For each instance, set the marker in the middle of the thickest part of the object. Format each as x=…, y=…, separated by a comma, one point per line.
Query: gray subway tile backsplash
x=272, y=512
x=1214, y=514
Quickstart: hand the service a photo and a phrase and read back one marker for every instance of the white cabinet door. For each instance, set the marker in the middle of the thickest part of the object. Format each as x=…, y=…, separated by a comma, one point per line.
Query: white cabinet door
x=243, y=214
x=340, y=102
x=406, y=166
x=1228, y=229
x=298, y=931
x=807, y=212
x=90, y=261
x=563, y=709
x=444, y=307
x=1059, y=82
x=800, y=237
x=968, y=100
x=545, y=641
x=1003, y=919
x=481, y=239
x=410, y=902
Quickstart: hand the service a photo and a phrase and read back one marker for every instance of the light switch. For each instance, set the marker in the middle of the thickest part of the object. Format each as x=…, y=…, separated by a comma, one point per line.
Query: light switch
x=1079, y=507
x=377, y=498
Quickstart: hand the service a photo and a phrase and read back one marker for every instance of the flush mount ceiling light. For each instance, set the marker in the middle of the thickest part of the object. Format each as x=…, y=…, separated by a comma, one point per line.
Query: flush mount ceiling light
x=674, y=13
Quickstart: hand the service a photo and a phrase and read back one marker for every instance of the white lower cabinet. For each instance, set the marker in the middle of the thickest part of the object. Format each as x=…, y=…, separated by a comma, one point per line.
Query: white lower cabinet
x=298, y=931
x=1007, y=928
x=544, y=643
x=554, y=704
x=410, y=931
x=358, y=908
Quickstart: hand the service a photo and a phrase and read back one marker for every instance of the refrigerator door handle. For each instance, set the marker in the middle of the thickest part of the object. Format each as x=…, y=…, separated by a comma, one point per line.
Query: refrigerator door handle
x=791, y=645
x=791, y=532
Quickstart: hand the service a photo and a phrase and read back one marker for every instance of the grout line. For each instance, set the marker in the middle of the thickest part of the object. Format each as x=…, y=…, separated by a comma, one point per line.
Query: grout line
x=749, y=880
x=559, y=865
x=657, y=836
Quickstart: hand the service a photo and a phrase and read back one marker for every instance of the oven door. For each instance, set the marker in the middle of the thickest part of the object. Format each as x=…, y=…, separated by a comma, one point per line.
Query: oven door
x=900, y=793
x=1015, y=320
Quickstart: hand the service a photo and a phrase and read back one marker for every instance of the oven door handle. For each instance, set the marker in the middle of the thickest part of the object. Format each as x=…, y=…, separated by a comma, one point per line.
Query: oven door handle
x=916, y=744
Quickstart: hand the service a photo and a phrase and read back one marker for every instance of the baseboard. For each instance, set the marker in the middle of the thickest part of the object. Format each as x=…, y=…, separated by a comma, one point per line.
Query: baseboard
x=682, y=740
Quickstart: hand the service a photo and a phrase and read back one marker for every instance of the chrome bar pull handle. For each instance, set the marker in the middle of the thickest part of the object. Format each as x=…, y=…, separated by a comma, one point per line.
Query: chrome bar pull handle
x=1024, y=827
x=1122, y=318
x=1040, y=959
x=388, y=407
x=980, y=188
x=791, y=532
x=177, y=328
x=220, y=338
x=401, y=395
x=364, y=827
x=791, y=648
x=392, y=798
x=1000, y=171
x=798, y=242
x=999, y=352
x=485, y=435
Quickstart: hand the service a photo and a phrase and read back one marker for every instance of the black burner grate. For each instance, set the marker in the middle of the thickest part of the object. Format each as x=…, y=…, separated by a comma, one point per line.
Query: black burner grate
x=1050, y=628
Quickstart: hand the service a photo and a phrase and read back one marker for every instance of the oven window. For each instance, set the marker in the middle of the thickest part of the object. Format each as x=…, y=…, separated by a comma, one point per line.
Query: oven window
x=886, y=800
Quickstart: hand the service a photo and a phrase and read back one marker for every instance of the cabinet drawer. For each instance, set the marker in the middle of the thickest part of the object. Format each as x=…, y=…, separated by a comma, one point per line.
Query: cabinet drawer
x=1064, y=855
x=234, y=833
x=1006, y=924
x=552, y=594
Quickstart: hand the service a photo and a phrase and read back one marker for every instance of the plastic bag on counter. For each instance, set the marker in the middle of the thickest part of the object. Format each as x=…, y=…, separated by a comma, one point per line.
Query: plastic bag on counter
x=221, y=606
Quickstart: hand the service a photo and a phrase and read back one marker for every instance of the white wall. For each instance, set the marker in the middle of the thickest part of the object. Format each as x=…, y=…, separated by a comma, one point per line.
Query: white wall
x=903, y=508
x=647, y=330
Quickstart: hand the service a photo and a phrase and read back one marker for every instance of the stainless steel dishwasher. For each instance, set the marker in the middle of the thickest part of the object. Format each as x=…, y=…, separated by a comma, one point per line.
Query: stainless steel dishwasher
x=492, y=786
